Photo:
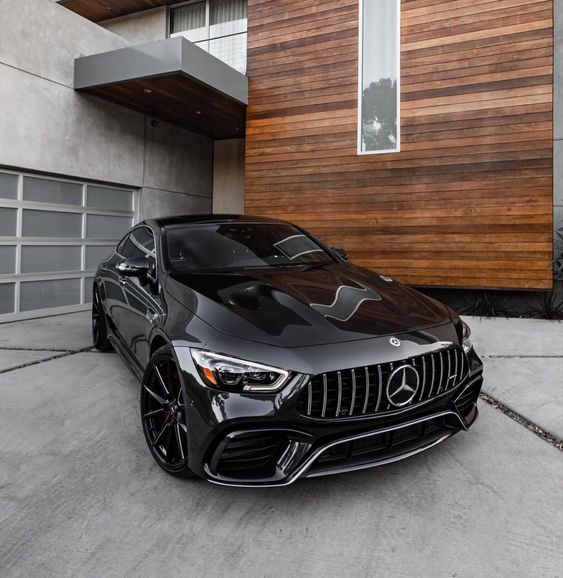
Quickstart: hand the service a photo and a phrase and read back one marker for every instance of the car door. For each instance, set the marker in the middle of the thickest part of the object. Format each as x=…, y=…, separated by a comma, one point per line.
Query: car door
x=115, y=301
x=143, y=306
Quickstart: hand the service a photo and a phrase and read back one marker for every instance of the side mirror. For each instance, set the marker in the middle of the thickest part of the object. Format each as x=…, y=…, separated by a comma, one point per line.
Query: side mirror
x=340, y=252
x=134, y=267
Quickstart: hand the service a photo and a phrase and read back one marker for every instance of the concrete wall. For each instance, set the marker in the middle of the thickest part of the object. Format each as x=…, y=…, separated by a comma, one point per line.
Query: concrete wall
x=46, y=126
x=558, y=127
x=228, y=176
x=142, y=27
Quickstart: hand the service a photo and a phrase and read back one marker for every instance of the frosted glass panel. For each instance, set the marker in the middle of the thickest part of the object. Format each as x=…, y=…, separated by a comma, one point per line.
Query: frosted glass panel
x=51, y=224
x=106, y=198
x=105, y=227
x=231, y=50
x=7, y=259
x=94, y=255
x=8, y=222
x=45, y=294
x=50, y=258
x=8, y=186
x=48, y=191
x=7, y=297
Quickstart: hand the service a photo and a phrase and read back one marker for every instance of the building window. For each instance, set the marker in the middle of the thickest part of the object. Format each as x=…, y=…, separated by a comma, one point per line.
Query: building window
x=53, y=235
x=217, y=26
x=379, y=77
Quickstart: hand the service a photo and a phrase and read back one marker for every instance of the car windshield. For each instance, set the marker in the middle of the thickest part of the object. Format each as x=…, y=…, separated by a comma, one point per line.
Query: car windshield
x=232, y=246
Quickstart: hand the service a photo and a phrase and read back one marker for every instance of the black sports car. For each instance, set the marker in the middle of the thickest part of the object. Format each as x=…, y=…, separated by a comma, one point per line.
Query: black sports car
x=265, y=357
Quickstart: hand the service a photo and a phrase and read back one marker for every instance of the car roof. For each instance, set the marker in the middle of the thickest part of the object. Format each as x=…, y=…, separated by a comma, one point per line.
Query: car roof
x=208, y=219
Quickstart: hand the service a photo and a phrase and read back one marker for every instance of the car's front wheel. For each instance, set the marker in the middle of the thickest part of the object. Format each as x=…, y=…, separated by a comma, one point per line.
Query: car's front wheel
x=163, y=414
x=99, y=323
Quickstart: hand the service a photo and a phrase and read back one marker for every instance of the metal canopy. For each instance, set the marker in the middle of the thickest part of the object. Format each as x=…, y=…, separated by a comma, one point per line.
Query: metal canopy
x=173, y=80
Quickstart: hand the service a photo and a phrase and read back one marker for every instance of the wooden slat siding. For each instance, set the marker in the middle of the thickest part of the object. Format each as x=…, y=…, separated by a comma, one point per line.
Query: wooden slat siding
x=468, y=201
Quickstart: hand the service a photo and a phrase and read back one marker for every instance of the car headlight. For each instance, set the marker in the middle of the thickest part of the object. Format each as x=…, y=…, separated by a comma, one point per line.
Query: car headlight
x=228, y=373
x=466, y=338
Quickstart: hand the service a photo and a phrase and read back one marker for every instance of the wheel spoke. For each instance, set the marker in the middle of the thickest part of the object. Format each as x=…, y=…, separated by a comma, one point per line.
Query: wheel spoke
x=154, y=395
x=167, y=444
x=162, y=430
x=161, y=381
x=154, y=412
x=179, y=440
x=181, y=423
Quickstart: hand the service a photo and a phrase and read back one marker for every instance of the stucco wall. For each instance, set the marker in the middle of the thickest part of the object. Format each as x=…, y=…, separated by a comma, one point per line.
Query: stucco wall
x=146, y=26
x=46, y=126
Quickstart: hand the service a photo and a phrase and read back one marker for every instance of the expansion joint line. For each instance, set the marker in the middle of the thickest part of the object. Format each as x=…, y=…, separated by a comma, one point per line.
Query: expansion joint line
x=60, y=354
x=519, y=418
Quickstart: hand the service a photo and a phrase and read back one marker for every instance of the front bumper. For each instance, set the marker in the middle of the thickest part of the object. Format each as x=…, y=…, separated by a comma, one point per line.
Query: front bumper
x=263, y=441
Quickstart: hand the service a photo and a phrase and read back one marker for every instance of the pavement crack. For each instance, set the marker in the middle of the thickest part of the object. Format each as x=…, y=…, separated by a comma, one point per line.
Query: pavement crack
x=522, y=356
x=524, y=421
x=60, y=354
x=2, y=348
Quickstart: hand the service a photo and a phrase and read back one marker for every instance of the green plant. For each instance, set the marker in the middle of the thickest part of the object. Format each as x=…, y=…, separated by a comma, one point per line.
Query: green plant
x=488, y=304
x=558, y=261
x=549, y=306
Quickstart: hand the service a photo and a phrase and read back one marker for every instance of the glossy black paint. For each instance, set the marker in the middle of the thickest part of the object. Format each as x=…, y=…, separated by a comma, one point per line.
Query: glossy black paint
x=309, y=320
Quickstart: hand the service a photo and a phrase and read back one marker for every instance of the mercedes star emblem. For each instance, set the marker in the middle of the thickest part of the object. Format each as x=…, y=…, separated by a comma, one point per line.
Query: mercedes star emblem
x=394, y=341
x=402, y=385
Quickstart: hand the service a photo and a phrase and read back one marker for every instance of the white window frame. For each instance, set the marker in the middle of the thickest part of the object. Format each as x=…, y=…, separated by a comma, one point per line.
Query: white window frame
x=397, y=149
x=18, y=241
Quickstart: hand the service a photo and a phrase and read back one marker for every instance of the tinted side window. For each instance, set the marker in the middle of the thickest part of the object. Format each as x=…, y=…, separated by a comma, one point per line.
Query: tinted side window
x=140, y=243
x=144, y=238
x=130, y=250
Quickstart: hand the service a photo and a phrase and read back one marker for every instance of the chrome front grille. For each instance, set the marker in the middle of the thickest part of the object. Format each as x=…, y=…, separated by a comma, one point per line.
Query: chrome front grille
x=363, y=390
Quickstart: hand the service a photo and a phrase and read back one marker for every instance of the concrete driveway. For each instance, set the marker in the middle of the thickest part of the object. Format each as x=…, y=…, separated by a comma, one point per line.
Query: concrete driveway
x=81, y=496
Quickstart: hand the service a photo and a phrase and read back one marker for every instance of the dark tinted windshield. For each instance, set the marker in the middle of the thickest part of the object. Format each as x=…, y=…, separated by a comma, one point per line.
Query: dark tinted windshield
x=231, y=246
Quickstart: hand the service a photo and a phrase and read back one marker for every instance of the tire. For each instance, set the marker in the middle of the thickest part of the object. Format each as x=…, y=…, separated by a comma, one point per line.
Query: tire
x=99, y=323
x=163, y=414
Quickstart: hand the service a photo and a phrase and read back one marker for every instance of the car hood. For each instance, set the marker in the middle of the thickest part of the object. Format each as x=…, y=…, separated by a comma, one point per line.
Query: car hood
x=301, y=306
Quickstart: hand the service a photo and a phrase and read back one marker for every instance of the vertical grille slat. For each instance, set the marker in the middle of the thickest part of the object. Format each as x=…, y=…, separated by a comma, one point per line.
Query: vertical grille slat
x=449, y=373
x=363, y=390
x=456, y=367
x=366, y=373
x=325, y=394
x=433, y=378
x=379, y=387
x=353, y=401
x=339, y=399
x=423, y=386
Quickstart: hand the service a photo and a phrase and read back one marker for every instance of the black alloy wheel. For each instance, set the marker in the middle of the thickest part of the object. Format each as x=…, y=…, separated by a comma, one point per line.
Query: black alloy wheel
x=163, y=414
x=99, y=323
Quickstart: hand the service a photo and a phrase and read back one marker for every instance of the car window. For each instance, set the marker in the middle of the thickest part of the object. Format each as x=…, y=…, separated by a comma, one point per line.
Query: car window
x=231, y=246
x=139, y=243
x=144, y=238
x=130, y=249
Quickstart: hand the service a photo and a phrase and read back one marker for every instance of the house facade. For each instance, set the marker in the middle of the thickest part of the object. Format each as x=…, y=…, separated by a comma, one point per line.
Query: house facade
x=423, y=136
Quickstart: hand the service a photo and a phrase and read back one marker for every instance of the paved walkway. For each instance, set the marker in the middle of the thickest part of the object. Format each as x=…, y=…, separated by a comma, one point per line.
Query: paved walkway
x=81, y=496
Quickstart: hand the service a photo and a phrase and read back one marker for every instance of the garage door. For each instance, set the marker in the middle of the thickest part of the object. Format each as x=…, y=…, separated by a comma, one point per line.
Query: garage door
x=53, y=233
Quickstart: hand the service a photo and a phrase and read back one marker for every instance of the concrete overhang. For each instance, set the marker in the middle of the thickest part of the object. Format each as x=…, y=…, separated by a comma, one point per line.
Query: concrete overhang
x=173, y=80
x=97, y=10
